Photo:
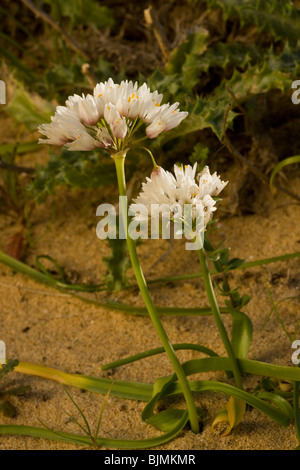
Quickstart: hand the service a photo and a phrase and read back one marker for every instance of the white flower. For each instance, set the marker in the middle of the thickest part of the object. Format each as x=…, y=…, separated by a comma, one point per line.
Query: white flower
x=110, y=117
x=179, y=193
x=117, y=124
x=85, y=108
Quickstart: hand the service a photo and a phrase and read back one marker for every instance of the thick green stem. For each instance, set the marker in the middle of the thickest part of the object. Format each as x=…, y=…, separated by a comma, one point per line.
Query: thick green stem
x=119, y=162
x=296, y=409
x=218, y=319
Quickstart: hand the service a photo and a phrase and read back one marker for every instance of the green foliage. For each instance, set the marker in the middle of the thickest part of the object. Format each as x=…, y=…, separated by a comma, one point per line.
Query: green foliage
x=75, y=169
x=29, y=110
x=82, y=12
x=8, y=367
x=257, y=56
x=199, y=155
x=279, y=17
x=6, y=407
x=118, y=263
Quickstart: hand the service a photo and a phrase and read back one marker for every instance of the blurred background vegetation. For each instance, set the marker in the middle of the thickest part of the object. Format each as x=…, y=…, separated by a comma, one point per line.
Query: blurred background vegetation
x=230, y=63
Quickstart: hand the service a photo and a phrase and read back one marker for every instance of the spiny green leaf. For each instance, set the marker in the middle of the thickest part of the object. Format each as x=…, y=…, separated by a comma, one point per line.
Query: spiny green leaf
x=279, y=17
x=194, y=44
x=83, y=12
x=253, y=81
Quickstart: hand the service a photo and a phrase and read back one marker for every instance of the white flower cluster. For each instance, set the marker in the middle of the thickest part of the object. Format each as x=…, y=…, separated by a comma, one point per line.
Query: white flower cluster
x=109, y=117
x=176, y=194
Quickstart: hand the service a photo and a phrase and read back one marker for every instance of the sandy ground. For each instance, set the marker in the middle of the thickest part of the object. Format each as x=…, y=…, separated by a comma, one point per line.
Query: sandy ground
x=41, y=325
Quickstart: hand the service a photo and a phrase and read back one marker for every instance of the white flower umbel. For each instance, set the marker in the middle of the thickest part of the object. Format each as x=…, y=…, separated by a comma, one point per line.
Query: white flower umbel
x=179, y=196
x=110, y=117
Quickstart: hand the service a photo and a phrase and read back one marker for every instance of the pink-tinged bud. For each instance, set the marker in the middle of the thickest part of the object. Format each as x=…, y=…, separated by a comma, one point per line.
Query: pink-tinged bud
x=156, y=172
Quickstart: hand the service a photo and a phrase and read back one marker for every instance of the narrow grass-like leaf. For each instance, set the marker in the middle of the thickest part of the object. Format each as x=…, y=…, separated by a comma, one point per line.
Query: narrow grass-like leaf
x=32, y=431
x=19, y=149
x=131, y=390
x=102, y=411
x=279, y=401
x=153, y=352
x=88, y=429
x=279, y=166
x=144, y=392
x=247, y=366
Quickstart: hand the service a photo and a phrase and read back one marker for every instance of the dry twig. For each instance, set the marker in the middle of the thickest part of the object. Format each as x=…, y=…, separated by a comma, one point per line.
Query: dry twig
x=55, y=25
x=15, y=168
x=153, y=22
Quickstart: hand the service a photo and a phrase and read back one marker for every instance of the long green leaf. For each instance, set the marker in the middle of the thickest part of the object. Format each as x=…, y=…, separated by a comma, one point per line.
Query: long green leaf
x=32, y=431
x=212, y=386
x=241, y=331
x=279, y=166
x=281, y=402
x=153, y=352
x=159, y=388
x=247, y=366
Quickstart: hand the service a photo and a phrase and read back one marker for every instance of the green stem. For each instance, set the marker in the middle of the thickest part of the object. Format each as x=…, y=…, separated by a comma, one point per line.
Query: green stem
x=153, y=352
x=218, y=319
x=119, y=162
x=296, y=409
x=155, y=166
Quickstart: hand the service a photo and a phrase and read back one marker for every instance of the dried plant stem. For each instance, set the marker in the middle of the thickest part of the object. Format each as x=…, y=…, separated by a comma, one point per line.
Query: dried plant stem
x=55, y=25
